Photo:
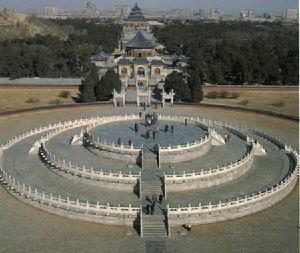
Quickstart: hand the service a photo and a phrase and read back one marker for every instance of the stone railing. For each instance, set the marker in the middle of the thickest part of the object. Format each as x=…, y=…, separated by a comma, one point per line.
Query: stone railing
x=118, y=181
x=23, y=136
x=190, y=150
x=185, y=147
x=74, y=209
x=113, y=147
x=240, y=206
x=210, y=177
x=181, y=153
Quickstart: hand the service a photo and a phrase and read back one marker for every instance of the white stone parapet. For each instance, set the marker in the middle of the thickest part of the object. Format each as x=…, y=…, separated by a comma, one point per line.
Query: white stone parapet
x=209, y=177
x=113, y=147
x=89, y=173
x=241, y=206
x=217, y=139
x=56, y=203
x=231, y=209
x=185, y=147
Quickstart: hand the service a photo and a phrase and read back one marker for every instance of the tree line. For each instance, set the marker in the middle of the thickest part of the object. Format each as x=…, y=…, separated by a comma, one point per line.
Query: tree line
x=236, y=53
x=93, y=89
x=50, y=56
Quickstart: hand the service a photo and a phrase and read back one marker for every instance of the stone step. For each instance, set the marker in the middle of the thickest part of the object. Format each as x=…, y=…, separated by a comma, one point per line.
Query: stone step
x=151, y=183
x=154, y=226
x=153, y=223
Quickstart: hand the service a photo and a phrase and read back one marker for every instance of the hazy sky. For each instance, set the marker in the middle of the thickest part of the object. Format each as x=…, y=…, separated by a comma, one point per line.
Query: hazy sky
x=273, y=6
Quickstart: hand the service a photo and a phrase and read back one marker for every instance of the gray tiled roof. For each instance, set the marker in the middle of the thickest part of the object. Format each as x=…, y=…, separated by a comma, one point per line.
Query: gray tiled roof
x=124, y=61
x=141, y=60
x=102, y=56
x=139, y=41
x=157, y=62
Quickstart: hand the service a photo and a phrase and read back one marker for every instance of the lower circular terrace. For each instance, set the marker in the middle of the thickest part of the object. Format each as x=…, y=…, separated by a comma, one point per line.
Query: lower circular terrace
x=248, y=173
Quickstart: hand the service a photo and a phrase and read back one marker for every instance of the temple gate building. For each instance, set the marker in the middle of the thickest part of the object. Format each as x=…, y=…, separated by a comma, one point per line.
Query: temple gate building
x=140, y=64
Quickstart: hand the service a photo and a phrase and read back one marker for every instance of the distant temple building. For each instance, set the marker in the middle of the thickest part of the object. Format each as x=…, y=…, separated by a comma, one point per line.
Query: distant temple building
x=138, y=62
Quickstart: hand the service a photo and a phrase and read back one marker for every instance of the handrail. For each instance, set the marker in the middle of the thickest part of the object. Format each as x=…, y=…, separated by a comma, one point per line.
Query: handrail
x=210, y=172
x=57, y=201
x=90, y=173
x=245, y=198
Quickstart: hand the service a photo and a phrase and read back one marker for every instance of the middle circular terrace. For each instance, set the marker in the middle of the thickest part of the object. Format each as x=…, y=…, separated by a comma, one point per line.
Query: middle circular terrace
x=228, y=170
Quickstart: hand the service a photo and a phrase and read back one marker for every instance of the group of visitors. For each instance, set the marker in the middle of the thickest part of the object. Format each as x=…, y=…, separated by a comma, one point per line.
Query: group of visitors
x=227, y=137
x=152, y=202
x=167, y=128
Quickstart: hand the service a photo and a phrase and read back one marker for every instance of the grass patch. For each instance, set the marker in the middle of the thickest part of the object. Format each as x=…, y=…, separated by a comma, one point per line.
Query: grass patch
x=212, y=94
x=64, y=94
x=222, y=94
x=278, y=104
x=244, y=102
x=285, y=102
x=233, y=95
x=32, y=100
x=32, y=97
x=55, y=101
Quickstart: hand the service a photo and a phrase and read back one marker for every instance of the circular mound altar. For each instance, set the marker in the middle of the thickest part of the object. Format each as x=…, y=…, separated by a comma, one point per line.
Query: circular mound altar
x=116, y=169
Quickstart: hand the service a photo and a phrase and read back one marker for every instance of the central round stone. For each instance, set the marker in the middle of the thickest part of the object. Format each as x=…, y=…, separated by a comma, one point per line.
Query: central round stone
x=181, y=133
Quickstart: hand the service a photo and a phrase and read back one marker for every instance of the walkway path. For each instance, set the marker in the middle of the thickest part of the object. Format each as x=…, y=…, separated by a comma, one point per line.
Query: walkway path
x=153, y=217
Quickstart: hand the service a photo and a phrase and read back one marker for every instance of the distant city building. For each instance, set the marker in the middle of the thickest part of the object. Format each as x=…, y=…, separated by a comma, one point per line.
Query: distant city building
x=180, y=13
x=247, y=14
x=35, y=12
x=290, y=14
x=121, y=10
x=214, y=14
x=52, y=11
x=90, y=10
x=202, y=13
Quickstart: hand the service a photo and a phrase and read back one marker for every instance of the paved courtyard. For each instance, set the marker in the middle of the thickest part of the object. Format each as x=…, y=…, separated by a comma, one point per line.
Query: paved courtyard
x=266, y=171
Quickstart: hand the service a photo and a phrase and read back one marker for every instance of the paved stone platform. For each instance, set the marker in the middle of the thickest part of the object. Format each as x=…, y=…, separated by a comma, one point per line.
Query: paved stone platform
x=266, y=171
x=125, y=130
x=30, y=170
x=258, y=230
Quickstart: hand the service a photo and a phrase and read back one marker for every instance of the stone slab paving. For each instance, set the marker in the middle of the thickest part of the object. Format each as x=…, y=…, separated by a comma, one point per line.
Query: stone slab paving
x=267, y=170
x=218, y=155
x=91, y=158
x=125, y=130
x=30, y=170
x=30, y=230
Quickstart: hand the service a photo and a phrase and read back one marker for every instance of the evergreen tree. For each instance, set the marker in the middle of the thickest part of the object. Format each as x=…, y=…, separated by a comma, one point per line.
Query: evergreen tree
x=176, y=82
x=109, y=82
x=196, y=85
x=88, y=86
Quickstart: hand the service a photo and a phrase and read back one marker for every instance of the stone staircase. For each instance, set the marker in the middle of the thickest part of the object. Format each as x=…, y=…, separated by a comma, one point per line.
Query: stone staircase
x=149, y=161
x=131, y=95
x=150, y=188
x=154, y=227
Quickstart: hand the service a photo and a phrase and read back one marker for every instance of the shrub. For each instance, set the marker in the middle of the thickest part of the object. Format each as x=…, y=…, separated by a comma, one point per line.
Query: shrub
x=32, y=100
x=278, y=104
x=233, y=95
x=55, y=102
x=244, y=102
x=212, y=94
x=64, y=94
x=223, y=94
